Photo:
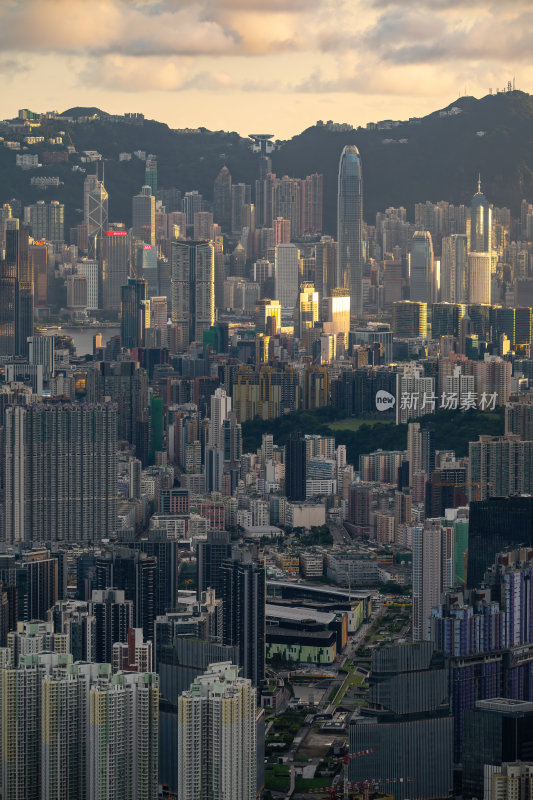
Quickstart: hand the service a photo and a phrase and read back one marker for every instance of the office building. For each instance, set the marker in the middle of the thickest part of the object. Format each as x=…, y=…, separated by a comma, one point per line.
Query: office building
x=222, y=200
x=495, y=731
x=243, y=613
x=193, y=290
x=307, y=308
x=409, y=319
x=143, y=215
x=286, y=203
x=326, y=266
x=406, y=729
x=496, y=524
x=479, y=277
x=16, y=294
x=39, y=252
x=454, y=269
x=446, y=319
x=113, y=250
x=268, y=317
x=136, y=574
x=95, y=207
x=203, y=226
x=480, y=223
x=165, y=549
x=423, y=275
x=41, y=351
x=217, y=755
x=295, y=467
x=113, y=615
x=135, y=314
x=350, y=227
x=210, y=555
x=287, y=277
x=60, y=472
x=89, y=268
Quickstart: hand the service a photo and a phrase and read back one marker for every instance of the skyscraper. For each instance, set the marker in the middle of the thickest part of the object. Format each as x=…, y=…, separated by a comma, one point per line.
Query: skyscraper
x=326, y=267
x=287, y=276
x=16, y=294
x=286, y=202
x=295, y=467
x=136, y=574
x=453, y=269
x=479, y=277
x=423, y=277
x=222, y=200
x=193, y=289
x=433, y=559
x=143, y=215
x=134, y=312
x=113, y=250
x=217, y=755
x=113, y=616
x=480, y=223
x=95, y=206
x=350, y=227
x=307, y=308
x=243, y=612
x=60, y=472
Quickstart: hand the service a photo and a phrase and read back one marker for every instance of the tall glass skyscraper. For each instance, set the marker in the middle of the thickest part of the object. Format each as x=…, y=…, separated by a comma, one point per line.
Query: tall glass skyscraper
x=350, y=227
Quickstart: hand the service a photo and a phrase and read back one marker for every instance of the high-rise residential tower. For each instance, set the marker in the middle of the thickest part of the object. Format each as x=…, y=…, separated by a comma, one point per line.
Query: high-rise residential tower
x=350, y=227
x=217, y=750
x=60, y=468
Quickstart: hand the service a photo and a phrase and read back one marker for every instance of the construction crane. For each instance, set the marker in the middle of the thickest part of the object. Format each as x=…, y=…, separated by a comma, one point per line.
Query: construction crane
x=345, y=760
x=361, y=787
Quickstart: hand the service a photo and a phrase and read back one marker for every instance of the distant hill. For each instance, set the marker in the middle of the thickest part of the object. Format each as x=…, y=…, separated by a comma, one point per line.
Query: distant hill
x=439, y=161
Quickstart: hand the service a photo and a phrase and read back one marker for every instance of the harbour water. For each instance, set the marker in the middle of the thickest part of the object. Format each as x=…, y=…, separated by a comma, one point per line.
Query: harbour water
x=83, y=337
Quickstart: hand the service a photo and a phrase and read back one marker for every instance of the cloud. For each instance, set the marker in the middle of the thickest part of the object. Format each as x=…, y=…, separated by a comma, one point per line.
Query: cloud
x=171, y=27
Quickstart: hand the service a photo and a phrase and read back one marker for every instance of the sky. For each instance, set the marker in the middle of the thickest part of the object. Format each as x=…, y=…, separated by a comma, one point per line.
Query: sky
x=260, y=66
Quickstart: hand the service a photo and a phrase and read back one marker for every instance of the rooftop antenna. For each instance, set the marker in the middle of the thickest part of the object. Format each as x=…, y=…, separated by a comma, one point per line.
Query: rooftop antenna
x=479, y=183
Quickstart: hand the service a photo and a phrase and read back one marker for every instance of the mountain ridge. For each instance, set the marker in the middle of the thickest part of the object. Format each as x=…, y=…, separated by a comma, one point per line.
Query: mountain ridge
x=439, y=158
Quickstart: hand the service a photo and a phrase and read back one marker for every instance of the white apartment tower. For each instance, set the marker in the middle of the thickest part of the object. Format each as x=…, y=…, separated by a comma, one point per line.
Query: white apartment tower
x=217, y=758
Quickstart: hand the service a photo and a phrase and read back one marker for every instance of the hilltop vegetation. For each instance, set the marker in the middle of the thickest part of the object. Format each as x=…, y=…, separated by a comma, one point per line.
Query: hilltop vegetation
x=440, y=159
x=453, y=431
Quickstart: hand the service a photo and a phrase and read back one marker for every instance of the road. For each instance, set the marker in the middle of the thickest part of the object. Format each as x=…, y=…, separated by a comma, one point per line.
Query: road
x=340, y=535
